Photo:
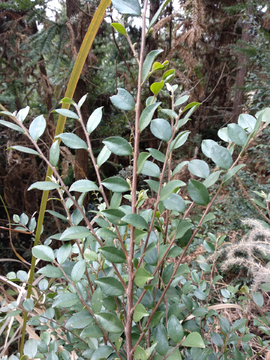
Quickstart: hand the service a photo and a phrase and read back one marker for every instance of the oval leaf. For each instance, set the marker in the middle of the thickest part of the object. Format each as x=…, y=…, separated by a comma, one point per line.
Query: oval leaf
x=72, y=141
x=43, y=252
x=119, y=28
x=142, y=276
x=103, y=156
x=110, y=322
x=113, y=254
x=131, y=7
x=199, y=168
x=67, y=113
x=44, y=185
x=147, y=114
x=37, y=127
x=123, y=100
x=198, y=192
x=54, y=153
x=119, y=146
x=194, y=340
x=147, y=65
x=139, y=312
x=84, y=186
x=150, y=169
x=110, y=286
x=94, y=120
x=116, y=184
x=161, y=129
x=78, y=271
x=237, y=134
x=11, y=126
x=221, y=157
x=175, y=329
x=135, y=220
x=75, y=232
x=247, y=122
x=24, y=149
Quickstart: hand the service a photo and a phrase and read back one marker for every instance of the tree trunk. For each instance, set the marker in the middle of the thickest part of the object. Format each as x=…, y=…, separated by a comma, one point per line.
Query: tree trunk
x=241, y=73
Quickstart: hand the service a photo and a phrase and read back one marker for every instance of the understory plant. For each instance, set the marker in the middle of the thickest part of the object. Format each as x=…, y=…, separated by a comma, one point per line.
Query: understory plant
x=119, y=285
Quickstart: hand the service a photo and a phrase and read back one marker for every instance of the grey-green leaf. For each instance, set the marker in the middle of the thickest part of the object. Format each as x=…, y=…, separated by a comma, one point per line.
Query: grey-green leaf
x=75, y=232
x=174, y=202
x=160, y=336
x=65, y=300
x=113, y=254
x=94, y=120
x=194, y=340
x=67, y=113
x=135, y=220
x=147, y=114
x=237, y=134
x=110, y=322
x=80, y=320
x=11, y=126
x=123, y=100
x=103, y=156
x=233, y=171
x=161, y=129
x=63, y=253
x=24, y=149
x=30, y=348
x=43, y=252
x=131, y=7
x=37, y=127
x=44, y=185
x=150, y=169
x=50, y=271
x=147, y=65
x=247, y=122
x=199, y=168
x=110, y=286
x=72, y=141
x=78, y=271
x=84, y=186
x=221, y=157
x=175, y=329
x=54, y=153
x=23, y=113
x=117, y=145
x=116, y=184
x=198, y=192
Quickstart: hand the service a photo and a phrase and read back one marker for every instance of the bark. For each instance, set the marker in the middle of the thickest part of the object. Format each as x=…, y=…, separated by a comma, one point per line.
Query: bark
x=241, y=74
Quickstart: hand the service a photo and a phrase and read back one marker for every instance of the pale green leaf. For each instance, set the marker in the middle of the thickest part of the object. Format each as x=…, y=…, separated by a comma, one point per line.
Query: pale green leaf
x=131, y=7
x=193, y=340
x=78, y=270
x=67, y=113
x=142, y=276
x=119, y=146
x=147, y=114
x=84, y=186
x=161, y=129
x=44, y=185
x=75, y=232
x=110, y=322
x=72, y=141
x=147, y=65
x=123, y=100
x=94, y=120
x=43, y=252
x=37, y=127
x=103, y=156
